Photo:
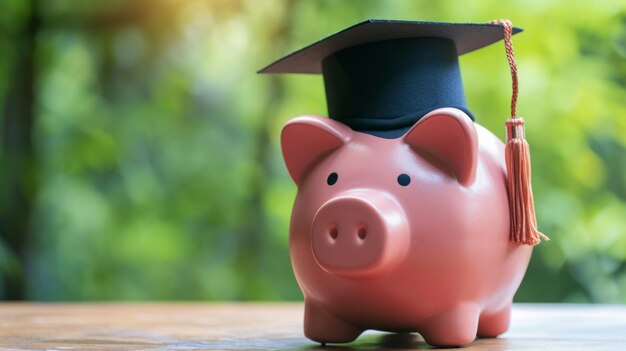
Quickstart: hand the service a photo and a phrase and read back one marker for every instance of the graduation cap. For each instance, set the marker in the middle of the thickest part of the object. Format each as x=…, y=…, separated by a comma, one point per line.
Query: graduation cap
x=382, y=76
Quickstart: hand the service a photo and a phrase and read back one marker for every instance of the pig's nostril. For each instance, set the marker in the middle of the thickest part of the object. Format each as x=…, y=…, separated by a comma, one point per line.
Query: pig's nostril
x=333, y=232
x=362, y=232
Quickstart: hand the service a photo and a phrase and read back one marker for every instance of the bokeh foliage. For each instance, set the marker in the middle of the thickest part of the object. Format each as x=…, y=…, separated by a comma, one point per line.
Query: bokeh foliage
x=156, y=164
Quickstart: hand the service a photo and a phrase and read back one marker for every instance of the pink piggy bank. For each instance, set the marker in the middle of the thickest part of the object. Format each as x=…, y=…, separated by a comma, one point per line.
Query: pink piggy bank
x=402, y=235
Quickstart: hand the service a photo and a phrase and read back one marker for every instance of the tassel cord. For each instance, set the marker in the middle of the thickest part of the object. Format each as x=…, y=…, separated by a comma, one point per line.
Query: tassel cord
x=523, y=228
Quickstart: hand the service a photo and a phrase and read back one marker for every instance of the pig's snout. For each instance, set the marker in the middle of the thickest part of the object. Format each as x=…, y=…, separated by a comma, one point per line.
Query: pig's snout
x=360, y=234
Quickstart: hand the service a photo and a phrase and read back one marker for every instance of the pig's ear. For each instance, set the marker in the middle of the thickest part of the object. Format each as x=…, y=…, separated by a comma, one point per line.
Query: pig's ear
x=449, y=135
x=306, y=139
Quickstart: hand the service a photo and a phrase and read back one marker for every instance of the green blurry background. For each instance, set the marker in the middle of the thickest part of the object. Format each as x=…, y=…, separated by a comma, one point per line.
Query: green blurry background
x=139, y=149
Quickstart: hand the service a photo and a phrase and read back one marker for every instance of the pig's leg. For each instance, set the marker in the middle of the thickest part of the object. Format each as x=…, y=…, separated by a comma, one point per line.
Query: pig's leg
x=454, y=327
x=321, y=326
x=494, y=324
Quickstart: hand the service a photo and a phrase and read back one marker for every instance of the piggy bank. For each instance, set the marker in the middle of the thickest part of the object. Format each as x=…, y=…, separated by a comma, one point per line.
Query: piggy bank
x=402, y=235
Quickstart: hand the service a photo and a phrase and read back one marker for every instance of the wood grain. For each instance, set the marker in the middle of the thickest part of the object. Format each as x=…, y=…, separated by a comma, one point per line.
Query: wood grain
x=276, y=326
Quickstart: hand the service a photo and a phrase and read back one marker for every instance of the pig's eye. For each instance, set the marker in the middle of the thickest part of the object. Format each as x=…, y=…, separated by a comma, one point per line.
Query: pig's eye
x=332, y=178
x=404, y=179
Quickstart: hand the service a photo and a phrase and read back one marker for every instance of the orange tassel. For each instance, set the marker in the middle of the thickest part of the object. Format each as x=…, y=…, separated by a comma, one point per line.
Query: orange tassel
x=517, y=153
x=521, y=204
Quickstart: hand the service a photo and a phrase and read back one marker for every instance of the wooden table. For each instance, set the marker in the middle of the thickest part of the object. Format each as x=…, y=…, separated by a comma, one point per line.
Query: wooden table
x=276, y=326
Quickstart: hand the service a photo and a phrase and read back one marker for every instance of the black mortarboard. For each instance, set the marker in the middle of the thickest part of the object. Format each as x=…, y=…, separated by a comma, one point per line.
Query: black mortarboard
x=382, y=76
